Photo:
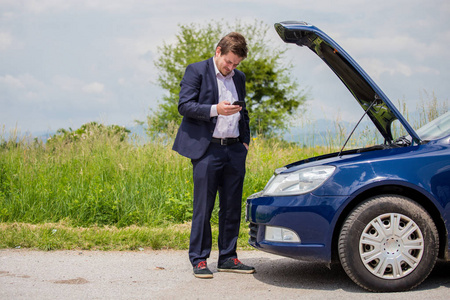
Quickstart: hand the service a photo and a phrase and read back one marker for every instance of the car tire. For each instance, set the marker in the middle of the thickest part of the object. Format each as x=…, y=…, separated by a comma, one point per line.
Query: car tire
x=388, y=243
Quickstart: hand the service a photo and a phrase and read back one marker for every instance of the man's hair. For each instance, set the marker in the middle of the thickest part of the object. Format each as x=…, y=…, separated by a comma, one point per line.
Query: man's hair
x=234, y=42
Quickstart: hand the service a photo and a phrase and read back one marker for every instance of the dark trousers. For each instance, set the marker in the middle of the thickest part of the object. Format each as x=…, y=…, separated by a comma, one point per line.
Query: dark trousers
x=221, y=169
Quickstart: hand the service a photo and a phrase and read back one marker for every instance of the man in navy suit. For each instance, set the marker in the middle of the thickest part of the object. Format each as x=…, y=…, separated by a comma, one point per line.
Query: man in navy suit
x=215, y=135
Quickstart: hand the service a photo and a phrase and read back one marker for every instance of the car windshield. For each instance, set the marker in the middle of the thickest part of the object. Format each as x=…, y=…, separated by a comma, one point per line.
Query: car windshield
x=436, y=129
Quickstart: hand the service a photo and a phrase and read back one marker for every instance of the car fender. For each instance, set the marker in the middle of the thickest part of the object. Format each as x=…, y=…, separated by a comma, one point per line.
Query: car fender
x=389, y=186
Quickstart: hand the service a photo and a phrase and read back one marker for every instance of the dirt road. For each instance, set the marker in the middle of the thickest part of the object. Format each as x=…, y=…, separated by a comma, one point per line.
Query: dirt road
x=26, y=274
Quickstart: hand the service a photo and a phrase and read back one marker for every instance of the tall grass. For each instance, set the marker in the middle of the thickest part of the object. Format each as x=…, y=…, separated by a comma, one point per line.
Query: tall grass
x=98, y=179
x=94, y=180
x=333, y=138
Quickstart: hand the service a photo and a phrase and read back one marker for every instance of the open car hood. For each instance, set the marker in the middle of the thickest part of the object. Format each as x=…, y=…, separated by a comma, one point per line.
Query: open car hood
x=379, y=108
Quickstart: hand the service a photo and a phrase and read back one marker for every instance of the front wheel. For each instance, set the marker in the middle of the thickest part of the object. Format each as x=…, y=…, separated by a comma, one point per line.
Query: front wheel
x=388, y=243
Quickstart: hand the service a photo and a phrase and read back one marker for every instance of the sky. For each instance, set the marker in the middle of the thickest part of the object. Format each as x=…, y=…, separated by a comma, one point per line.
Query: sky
x=64, y=63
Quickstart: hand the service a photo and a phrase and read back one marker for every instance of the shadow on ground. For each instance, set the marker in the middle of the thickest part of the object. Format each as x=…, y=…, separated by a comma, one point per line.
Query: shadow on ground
x=290, y=273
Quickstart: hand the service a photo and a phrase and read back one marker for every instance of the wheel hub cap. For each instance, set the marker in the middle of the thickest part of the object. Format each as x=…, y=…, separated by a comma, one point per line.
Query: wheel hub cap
x=391, y=246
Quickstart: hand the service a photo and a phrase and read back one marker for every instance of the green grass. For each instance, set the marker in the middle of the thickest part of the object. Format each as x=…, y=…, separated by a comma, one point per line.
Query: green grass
x=91, y=189
x=100, y=180
x=58, y=236
x=99, y=192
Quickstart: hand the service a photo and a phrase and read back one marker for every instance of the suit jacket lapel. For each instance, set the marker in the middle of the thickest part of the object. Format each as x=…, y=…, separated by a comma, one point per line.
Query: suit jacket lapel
x=212, y=73
x=238, y=83
x=240, y=88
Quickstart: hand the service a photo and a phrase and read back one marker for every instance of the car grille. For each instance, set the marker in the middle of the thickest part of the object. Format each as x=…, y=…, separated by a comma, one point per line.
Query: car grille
x=253, y=232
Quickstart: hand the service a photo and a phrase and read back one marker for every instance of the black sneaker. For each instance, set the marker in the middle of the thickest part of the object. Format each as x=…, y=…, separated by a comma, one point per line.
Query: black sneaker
x=234, y=265
x=201, y=270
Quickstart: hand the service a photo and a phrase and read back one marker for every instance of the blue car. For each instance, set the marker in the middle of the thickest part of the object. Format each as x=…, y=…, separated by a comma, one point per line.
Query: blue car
x=383, y=212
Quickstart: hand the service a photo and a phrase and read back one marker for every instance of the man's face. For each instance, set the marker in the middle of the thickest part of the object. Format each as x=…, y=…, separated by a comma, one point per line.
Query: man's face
x=226, y=62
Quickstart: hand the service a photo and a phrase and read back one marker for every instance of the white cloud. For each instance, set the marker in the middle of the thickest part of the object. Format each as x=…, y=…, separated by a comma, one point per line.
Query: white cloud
x=114, y=6
x=5, y=40
x=22, y=83
x=11, y=82
x=381, y=45
x=76, y=85
x=392, y=45
x=94, y=88
x=67, y=84
x=376, y=68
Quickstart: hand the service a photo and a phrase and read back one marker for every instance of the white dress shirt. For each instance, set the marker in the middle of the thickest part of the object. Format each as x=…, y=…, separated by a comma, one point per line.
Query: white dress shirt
x=226, y=126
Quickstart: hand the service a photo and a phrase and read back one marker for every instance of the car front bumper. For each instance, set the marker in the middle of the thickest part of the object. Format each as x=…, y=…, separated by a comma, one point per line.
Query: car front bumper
x=311, y=217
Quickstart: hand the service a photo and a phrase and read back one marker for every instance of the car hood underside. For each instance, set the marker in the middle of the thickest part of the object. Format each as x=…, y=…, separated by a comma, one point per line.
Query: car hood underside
x=377, y=106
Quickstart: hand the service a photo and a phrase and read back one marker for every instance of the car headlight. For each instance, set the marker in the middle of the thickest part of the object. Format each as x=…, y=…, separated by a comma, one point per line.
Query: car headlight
x=298, y=182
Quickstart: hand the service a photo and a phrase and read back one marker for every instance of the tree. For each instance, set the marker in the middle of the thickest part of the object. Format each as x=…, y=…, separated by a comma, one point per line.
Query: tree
x=272, y=96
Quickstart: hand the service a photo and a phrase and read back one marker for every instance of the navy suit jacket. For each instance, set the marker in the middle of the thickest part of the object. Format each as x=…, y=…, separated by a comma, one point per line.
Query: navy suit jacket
x=198, y=93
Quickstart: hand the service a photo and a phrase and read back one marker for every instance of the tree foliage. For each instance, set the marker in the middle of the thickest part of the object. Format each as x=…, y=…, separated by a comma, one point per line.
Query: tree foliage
x=90, y=130
x=272, y=95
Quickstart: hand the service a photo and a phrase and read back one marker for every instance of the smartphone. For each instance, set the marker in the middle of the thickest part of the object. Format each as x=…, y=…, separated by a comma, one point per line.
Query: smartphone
x=240, y=103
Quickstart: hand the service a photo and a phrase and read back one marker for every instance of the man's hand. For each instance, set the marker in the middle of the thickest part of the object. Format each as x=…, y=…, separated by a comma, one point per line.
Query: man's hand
x=226, y=109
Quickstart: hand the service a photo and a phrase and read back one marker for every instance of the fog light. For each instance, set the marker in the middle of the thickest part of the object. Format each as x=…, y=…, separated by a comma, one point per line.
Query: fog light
x=279, y=234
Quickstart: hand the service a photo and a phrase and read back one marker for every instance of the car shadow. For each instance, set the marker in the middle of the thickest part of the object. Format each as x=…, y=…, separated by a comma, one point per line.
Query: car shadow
x=290, y=273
